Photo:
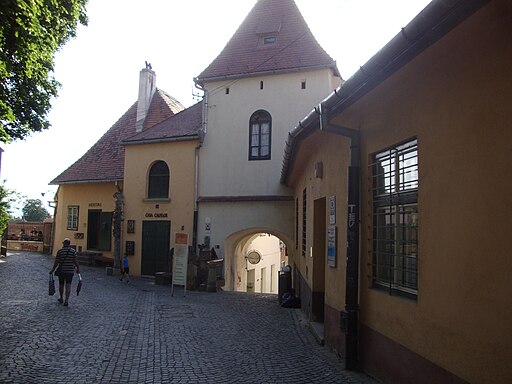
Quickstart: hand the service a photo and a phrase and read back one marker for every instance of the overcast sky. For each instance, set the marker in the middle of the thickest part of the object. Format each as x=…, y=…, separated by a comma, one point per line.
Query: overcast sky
x=99, y=69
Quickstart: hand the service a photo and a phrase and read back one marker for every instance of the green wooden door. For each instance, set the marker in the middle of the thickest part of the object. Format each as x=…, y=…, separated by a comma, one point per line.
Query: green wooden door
x=156, y=239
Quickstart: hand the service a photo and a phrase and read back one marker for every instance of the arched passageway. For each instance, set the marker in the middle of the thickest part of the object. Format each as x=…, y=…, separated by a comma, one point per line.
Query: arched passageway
x=253, y=259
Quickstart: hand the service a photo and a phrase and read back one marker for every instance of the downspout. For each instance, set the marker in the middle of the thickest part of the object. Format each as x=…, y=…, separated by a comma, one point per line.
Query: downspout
x=350, y=316
x=196, y=196
x=202, y=133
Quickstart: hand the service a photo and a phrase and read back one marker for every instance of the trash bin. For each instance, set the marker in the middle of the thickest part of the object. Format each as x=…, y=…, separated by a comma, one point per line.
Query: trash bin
x=285, y=283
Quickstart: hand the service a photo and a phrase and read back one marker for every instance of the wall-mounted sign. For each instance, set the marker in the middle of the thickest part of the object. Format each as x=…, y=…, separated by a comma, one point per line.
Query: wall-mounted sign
x=331, y=245
x=207, y=226
x=253, y=257
x=156, y=215
x=131, y=226
x=332, y=210
x=130, y=248
x=91, y=205
x=78, y=236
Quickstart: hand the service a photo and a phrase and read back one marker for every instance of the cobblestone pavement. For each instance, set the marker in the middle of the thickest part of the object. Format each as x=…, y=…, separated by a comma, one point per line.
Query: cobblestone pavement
x=138, y=333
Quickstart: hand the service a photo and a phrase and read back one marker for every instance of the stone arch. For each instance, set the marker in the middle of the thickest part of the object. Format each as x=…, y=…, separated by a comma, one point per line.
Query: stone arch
x=236, y=246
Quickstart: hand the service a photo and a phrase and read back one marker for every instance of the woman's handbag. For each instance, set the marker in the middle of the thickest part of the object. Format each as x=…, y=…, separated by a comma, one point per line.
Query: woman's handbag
x=51, y=285
x=79, y=285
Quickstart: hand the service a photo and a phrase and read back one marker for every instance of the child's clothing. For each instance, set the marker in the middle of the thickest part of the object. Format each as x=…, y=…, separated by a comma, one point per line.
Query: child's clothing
x=125, y=270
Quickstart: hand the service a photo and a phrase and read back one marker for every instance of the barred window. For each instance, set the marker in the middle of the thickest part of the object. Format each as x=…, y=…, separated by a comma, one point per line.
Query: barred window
x=72, y=218
x=158, y=186
x=395, y=219
x=304, y=220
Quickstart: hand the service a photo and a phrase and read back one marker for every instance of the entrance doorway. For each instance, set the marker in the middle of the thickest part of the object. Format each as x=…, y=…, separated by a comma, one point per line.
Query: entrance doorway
x=99, y=230
x=319, y=260
x=156, y=239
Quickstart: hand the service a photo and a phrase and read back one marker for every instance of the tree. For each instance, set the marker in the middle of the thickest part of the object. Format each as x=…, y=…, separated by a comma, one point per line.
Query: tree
x=7, y=198
x=31, y=31
x=33, y=210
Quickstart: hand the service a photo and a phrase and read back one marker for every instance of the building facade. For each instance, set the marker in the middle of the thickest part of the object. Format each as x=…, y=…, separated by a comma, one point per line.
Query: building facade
x=413, y=272
x=271, y=59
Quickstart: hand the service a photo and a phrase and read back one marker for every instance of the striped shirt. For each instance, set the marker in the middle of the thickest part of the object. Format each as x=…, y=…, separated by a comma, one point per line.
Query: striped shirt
x=66, y=257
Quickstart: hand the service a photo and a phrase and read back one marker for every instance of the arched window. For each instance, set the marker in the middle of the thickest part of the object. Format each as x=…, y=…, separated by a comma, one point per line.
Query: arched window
x=260, y=134
x=158, y=183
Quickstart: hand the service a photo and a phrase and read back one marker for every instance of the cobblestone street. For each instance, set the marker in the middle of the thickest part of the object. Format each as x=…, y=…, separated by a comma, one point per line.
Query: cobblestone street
x=138, y=333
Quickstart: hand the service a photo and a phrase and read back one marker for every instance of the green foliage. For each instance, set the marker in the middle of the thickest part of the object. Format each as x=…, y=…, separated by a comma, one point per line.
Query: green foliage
x=33, y=210
x=31, y=31
x=7, y=198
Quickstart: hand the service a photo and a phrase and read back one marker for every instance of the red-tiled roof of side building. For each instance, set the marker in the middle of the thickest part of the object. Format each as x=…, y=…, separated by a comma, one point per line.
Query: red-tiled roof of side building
x=274, y=37
x=104, y=161
x=182, y=126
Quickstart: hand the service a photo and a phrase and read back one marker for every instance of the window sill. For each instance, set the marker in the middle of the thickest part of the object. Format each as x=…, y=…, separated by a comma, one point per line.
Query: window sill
x=156, y=200
x=395, y=292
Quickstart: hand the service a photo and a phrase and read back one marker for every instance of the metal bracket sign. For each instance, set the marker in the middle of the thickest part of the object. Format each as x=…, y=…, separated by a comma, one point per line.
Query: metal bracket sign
x=180, y=262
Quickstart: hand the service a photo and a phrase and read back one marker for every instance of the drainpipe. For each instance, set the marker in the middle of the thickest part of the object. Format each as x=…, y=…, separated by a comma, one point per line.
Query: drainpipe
x=350, y=316
x=196, y=195
x=202, y=133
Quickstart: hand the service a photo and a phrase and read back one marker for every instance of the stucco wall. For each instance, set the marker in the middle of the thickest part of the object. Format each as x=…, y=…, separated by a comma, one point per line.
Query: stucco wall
x=224, y=166
x=97, y=196
x=455, y=98
x=179, y=209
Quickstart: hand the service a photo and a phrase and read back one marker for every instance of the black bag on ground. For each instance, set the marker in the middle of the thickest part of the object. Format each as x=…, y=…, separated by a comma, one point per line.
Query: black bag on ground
x=51, y=286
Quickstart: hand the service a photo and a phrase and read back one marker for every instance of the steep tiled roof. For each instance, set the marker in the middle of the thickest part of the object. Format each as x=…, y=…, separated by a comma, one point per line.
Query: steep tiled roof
x=245, y=54
x=182, y=126
x=104, y=161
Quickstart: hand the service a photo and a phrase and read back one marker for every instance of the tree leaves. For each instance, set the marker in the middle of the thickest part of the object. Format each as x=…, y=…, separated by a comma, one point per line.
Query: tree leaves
x=31, y=31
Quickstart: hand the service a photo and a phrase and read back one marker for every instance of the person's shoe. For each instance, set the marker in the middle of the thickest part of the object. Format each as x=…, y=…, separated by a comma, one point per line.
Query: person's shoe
x=120, y=279
x=128, y=281
x=60, y=301
x=65, y=303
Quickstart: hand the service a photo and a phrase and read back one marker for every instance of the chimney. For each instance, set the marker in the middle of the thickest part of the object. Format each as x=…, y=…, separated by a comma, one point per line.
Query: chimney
x=147, y=88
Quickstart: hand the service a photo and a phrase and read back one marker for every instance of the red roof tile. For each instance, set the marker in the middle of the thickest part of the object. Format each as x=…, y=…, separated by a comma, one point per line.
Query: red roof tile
x=183, y=125
x=104, y=161
x=295, y=46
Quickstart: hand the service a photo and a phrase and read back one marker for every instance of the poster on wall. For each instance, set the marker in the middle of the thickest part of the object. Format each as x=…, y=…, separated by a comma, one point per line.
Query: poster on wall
x=331, y=246
x=180, y=262
x=332, y=210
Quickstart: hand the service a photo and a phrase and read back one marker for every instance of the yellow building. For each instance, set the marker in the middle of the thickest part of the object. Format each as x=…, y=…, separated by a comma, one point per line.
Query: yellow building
x=401, y=191
x=96, y=186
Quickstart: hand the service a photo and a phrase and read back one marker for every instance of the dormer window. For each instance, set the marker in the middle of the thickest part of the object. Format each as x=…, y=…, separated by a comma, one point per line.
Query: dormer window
x=267, y=40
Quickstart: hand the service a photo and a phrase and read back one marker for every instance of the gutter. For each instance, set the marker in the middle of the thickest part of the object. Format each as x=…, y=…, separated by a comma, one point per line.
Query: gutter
x=350, y=316
x=161, y=140
x=332, y=66
x=429, y=26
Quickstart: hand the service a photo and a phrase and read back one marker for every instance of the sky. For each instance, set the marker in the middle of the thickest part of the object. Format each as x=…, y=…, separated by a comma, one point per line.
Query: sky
x=99, y=68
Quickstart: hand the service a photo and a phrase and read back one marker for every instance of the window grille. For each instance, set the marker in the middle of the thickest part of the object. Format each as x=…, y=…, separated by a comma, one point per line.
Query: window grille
x=304, y=220
x=395, y=219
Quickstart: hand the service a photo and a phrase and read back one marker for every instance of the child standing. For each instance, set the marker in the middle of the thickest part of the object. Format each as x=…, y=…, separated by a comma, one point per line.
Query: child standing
x=125, y=269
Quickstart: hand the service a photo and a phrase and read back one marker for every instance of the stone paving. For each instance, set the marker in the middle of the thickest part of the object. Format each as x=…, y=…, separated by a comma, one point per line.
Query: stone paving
x=116, y=332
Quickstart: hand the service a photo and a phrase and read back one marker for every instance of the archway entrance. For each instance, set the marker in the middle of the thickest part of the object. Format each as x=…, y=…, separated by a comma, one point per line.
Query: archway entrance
x=255, y=257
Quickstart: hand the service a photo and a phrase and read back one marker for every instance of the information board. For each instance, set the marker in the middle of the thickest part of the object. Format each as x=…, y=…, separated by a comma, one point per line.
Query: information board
x=180, y=261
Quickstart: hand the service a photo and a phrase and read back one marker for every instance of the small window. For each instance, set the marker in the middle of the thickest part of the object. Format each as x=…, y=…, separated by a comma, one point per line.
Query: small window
x=269, y=40
x=261, y=84
x=73, y=217
x=158, y=185
x=260, y=134
x=227, y=91
x=303, y=84
x=395, y=219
